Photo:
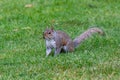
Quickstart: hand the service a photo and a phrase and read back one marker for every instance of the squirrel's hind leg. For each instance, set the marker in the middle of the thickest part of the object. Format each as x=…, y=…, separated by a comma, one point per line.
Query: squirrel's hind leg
x=70, y=46
x=65, y=49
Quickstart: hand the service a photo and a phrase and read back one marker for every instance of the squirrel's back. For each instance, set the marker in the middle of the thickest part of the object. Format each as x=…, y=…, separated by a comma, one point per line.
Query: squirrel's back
x=62, y=37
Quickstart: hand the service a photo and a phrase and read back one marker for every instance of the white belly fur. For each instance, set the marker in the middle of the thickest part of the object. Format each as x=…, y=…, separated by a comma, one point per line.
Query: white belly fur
x=51, y=43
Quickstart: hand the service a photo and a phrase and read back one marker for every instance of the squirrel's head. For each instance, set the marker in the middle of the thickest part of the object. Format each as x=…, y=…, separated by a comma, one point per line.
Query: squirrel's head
x=48, y=34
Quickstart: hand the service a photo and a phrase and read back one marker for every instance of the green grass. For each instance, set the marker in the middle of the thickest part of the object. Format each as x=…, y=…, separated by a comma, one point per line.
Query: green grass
x=22, y=49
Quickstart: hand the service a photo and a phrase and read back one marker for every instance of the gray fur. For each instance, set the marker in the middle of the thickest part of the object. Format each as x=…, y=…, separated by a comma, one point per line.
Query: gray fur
x=60, y=40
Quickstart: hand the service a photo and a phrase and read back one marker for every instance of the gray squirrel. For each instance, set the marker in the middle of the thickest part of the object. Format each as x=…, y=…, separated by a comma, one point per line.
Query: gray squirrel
x=59, y=40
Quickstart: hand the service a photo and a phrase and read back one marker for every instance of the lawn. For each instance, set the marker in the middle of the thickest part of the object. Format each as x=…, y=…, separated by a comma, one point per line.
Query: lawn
x=22, y=47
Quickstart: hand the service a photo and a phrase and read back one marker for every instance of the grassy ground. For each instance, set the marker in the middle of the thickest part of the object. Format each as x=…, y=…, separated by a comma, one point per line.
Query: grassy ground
x=22, y=49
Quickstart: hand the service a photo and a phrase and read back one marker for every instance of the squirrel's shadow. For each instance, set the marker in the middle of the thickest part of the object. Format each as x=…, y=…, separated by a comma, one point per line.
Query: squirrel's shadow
x=61, y=52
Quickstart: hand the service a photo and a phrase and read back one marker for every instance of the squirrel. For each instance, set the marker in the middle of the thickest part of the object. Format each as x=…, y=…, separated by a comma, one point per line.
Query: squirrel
x=59, y=40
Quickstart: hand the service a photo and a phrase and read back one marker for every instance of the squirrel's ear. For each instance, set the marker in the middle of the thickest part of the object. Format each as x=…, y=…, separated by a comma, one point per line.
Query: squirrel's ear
x=52, y=28
x=47, y=27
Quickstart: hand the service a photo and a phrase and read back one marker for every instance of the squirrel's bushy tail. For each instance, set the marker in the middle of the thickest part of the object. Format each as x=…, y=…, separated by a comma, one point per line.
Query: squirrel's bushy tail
x=86, y=34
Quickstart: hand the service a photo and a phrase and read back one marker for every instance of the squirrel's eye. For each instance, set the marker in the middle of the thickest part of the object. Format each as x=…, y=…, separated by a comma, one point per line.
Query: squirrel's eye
x=49, y=32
